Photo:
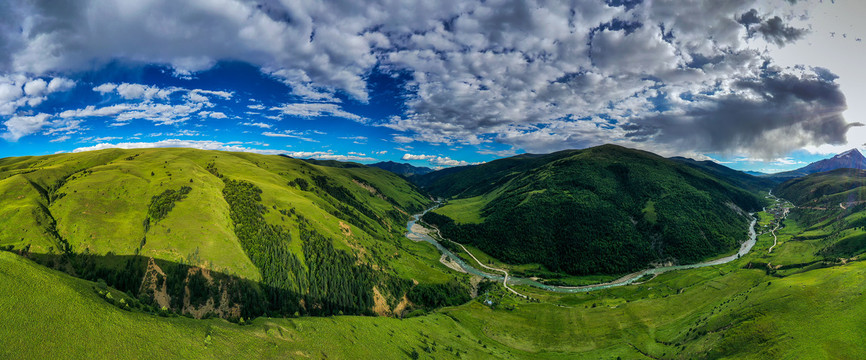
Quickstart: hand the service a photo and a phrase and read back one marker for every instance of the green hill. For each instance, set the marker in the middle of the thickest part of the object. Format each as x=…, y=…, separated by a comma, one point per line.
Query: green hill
x=737, y=178
x=606, y=209
x=832, y=213
x=829, y=188
x=293, y=235
x=723, y=313
x=304, y=261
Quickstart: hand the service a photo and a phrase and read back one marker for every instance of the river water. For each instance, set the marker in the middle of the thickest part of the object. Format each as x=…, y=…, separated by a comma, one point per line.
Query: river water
x=745, y=247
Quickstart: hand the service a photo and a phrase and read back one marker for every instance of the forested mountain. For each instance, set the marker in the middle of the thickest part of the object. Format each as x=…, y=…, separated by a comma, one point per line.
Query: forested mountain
x=218, y=233
x=851, y=159
x=831, y=188
x=738, y=178
x=606, y=209
x=402, y=169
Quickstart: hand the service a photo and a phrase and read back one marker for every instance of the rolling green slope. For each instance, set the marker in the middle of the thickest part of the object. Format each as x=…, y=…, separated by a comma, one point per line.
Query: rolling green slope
x=702, y=313
x=825, y=189
x=734, y=177
x=606, y=209
x=268, y=219
x=831, y=215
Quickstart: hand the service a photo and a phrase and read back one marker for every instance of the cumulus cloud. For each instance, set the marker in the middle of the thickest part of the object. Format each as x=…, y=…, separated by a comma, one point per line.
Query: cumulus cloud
x=437, y=160
x=195, y=144
x=131, y=91
x=160, y=114
x=151, y=103
x=536, y=75
x=328, y=155
x=213, y=114
x=17, y=91
x=217, y=145
x=447, y=161
x=770, y=116
x=257, y=124
x=19, y=126
x=311, y=110
x=408, y=156
x=772, y=29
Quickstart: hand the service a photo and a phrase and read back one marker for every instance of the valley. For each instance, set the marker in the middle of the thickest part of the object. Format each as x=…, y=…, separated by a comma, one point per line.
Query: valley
x=428, y=180
x=375, y=283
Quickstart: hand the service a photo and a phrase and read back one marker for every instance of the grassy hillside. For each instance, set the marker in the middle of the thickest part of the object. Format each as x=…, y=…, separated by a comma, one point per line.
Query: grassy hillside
x=831, y=215
x=734, y=177
x=601, y=210
x=829, y=188
x=286, y=223
x=715, y=313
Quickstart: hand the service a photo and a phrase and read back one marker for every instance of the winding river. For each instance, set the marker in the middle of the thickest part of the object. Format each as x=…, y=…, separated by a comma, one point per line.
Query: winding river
x=416, y=235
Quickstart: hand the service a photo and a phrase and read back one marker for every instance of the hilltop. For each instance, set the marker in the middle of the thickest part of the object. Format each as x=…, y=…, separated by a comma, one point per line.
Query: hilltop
x=210, y=231
x=851, y=159
x=402, y=169
x=603, y=210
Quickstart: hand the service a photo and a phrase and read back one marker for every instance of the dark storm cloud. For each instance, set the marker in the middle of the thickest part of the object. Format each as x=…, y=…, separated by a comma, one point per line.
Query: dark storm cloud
x=772, y=29
x=771, y=116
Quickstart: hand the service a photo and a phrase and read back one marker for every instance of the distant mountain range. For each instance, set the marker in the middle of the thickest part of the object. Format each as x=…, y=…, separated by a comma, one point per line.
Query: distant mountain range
x=851, y=159
x=402, y=169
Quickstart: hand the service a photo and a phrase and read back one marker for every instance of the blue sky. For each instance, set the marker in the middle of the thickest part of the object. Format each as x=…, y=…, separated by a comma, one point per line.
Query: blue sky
x=231, y=106
x=435, y=83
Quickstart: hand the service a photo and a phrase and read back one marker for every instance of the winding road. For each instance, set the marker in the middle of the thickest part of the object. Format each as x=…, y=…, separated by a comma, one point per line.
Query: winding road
x=417, y=235
x=779, y=222
x=504, y=278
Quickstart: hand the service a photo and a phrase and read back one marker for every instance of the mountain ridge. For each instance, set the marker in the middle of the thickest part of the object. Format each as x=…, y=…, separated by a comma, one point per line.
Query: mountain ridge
x=851, y=159
x=402, y=169
x=605, y=209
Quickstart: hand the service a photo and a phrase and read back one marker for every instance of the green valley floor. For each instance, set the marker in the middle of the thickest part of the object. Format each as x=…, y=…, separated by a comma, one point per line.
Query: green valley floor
x=724, y=312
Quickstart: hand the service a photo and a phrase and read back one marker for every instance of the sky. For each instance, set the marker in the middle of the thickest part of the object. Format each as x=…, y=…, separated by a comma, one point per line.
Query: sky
x=767, y=85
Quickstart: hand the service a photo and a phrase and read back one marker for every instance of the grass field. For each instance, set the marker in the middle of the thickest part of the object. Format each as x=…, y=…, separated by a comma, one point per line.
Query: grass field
x=724, y=312
x=741, y=309
x=97, y=202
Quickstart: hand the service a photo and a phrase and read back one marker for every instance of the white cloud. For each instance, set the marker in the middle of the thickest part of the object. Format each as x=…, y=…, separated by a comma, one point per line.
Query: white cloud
x=161, y=114
x=35, y=87
x=438, y=160
x=17, y=91
x=59, y=84
x=447, y=161
x=310, y=110
x=195, y=144
x=230, y=146
x=257, y=124
x=478, y=71
x=105, y=88
x=19, y=126
x=222, y=94
x=289, y=134
x=327, y=155
x=61, y=138
x=138, y=91
x=216, y=115
x=408, y=156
